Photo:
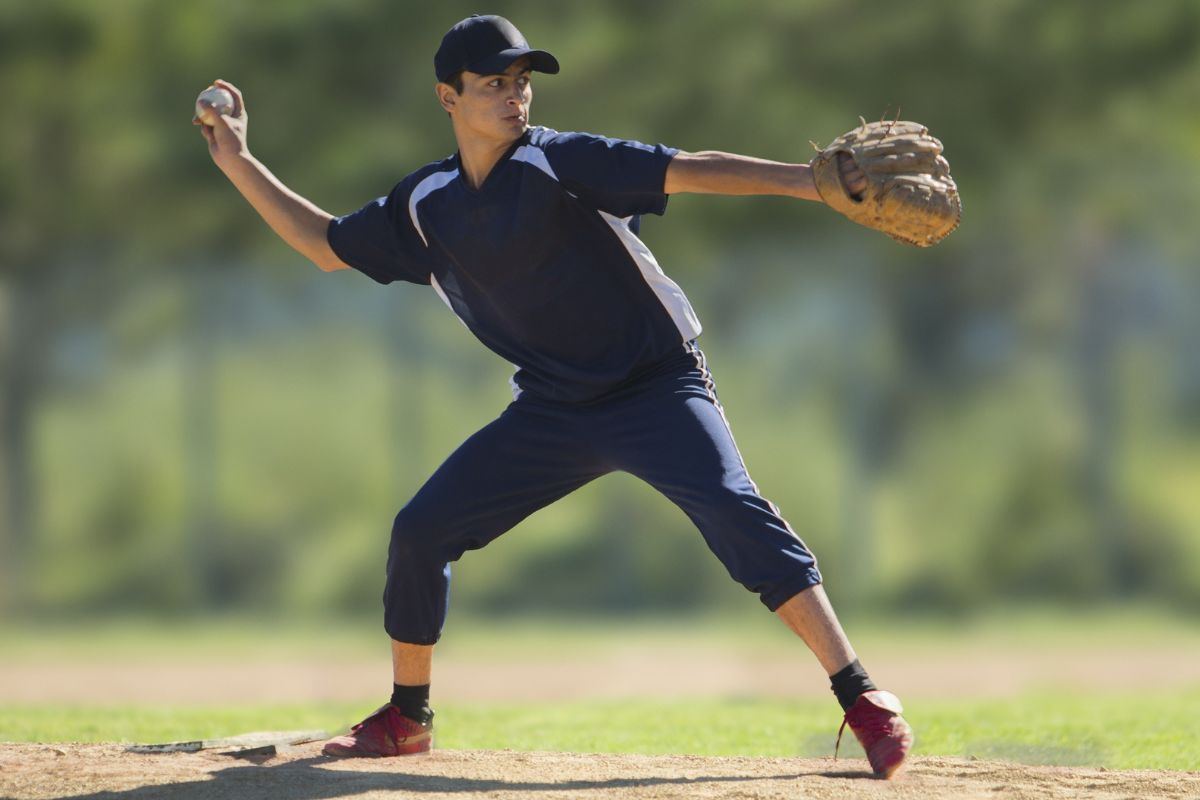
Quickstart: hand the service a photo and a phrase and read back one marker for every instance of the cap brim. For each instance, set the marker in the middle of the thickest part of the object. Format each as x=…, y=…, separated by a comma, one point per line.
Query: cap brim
x=539, y=61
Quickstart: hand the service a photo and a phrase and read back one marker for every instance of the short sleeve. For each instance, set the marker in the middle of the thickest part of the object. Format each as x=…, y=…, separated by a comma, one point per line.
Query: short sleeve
x=619, y=176
x=380, y=241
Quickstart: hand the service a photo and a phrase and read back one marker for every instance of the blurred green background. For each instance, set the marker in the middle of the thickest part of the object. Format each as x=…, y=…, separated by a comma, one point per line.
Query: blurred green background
x=195, y=421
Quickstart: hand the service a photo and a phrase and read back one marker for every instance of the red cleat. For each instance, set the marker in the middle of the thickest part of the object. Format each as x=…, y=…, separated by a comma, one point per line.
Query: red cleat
x=387, y=732
x=884, y=735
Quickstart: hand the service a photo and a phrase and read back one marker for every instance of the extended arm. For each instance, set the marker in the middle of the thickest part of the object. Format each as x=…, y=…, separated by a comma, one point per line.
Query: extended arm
x=298, y=222
x=713, y=172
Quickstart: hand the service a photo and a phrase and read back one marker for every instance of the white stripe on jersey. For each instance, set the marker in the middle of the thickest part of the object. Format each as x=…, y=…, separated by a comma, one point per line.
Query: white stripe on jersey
x=422, y=190
x=437, y=287
x=536, y=157
x=667, y=291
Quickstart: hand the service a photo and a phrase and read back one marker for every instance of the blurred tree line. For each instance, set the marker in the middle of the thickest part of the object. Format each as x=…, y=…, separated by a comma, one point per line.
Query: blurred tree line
x=192, y=418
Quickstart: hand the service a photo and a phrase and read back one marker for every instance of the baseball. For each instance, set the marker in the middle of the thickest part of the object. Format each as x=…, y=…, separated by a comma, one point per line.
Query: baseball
x=220, y=99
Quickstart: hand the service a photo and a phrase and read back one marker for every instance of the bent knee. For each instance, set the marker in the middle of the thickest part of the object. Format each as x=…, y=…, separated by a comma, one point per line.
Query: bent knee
x=416, y=536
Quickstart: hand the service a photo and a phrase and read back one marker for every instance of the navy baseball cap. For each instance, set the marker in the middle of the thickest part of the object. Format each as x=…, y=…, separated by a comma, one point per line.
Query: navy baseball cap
x=487, y=45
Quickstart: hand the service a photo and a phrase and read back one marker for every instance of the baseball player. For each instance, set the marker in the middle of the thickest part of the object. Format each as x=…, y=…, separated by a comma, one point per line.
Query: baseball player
x=530, y=237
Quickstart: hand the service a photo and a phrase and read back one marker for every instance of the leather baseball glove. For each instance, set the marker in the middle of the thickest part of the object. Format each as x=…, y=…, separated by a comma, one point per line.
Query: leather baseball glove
x=909, y=195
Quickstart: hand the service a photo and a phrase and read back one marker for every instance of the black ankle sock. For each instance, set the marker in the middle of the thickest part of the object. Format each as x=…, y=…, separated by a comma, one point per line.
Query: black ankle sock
x=413, y=702
x=849, y=683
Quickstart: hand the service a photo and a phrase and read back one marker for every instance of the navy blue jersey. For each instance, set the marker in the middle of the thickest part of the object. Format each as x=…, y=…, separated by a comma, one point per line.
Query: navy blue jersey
x=542, y=263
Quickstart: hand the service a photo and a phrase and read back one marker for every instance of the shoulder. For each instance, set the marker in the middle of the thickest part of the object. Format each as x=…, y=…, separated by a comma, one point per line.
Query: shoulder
x=579, y=144
x=543, y=138
x=566, y=152
x=435, y=172
x=540, y=136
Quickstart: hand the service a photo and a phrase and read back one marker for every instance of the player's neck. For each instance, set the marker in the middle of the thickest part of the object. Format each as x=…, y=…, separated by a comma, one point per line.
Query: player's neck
x=477, y=156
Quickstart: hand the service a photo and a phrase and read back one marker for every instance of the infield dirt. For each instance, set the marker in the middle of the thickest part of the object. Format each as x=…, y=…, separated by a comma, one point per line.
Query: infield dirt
x=108, y=772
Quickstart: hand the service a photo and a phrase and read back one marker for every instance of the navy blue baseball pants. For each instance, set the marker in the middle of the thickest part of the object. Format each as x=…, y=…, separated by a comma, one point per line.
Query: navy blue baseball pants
x=668, y=429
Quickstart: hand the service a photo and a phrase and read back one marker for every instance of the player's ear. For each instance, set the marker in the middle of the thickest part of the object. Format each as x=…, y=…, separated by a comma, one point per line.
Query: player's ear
x=446, y=96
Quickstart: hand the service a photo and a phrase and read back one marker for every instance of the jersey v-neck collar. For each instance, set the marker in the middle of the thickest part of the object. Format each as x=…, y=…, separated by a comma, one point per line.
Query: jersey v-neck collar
x=504, y=159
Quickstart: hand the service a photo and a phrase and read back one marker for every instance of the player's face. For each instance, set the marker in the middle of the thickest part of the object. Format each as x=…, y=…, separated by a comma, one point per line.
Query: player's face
x=495, y=106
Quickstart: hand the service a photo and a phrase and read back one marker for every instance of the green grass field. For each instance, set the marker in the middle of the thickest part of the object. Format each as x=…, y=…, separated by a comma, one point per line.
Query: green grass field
x=1151, y=729
x=1143, y=732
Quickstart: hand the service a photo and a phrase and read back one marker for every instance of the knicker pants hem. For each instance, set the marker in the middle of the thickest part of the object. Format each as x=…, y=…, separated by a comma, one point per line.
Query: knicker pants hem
x=408, y=638
x=786, y=591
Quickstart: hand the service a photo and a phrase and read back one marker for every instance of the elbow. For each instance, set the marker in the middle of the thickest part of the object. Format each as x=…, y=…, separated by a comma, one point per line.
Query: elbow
x=326, y=260
x=320, y=251
x=324, y=256
x=330, y=264
x=676, y=179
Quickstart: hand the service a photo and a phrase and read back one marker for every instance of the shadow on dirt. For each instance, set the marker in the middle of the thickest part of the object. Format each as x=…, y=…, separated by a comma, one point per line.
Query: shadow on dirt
x=305, y=779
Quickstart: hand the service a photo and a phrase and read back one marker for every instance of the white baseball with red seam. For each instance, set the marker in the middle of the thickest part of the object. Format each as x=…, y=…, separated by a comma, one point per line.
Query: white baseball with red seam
x=220, y=100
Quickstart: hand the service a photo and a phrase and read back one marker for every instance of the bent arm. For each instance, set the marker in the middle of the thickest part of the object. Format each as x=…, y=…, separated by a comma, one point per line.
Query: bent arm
x=298, y=221
x=713, y=172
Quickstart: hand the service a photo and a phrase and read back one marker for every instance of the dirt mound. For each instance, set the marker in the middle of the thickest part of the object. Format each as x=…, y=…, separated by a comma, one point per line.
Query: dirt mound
x=110, y=772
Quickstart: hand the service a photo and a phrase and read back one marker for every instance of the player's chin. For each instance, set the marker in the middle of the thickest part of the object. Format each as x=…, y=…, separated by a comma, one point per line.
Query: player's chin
x=517, y=122
x=503, y=130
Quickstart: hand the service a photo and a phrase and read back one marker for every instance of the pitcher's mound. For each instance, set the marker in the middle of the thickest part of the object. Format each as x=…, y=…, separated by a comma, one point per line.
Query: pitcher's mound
x=110, y=771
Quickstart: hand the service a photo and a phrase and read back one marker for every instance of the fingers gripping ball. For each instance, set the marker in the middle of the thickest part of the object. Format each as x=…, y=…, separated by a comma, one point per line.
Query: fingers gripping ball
x=909, y=195
x=219, y=100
